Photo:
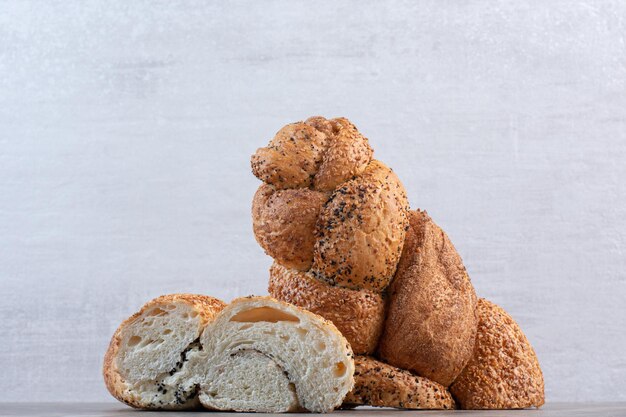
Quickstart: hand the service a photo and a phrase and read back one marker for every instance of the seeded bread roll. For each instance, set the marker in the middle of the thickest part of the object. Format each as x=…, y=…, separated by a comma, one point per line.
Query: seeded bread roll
x=359, y=315
x=152, y=345
x=381, y=385
x=327, y=206
x=259, y=344
x=431, y=326
x=504, y=371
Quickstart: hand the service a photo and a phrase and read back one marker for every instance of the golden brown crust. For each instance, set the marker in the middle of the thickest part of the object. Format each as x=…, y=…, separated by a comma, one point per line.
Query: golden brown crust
x=317, y=153
x=284, y=223
x=207, y=308
x=381, y=385
x=327, y=206
x=431, y=326
x=348, y=153
x=359, y=315
x=504, y=371
x=361, y=231
x=292, y=157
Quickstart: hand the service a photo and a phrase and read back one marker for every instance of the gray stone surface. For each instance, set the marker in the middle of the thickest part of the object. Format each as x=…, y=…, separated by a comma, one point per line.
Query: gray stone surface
x=110, y=410
x=126, y=129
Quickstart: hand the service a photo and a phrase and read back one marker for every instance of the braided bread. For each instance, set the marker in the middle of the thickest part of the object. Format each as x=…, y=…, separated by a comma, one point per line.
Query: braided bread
x=345, y=246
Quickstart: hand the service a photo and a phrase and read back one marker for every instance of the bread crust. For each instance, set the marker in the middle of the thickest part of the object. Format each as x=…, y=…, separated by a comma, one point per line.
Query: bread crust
x=361, y=231
x=431, y=326
x=318, y=153
x=284, y=223
x=207, y=308
x=359, y=315
x=382, y=385
x=504, y=371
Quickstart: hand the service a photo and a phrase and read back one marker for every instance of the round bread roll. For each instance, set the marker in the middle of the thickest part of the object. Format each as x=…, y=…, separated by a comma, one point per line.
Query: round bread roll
x=504, y=371
x=431, y=326
x=381, y=385
x=327, y=206
x=154, y=344
x=359, y=315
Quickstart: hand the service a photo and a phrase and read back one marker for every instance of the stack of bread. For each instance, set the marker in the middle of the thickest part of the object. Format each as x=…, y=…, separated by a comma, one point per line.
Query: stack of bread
x=347, y=247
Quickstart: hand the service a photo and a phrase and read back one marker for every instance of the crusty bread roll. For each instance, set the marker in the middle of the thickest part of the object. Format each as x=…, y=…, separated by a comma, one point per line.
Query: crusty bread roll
x=431, y=326
x=359, y=315
x=257, y=354
x=327, y=206
x=504, y=371
x=152, y=345
x=313, y=358
x=382, y=385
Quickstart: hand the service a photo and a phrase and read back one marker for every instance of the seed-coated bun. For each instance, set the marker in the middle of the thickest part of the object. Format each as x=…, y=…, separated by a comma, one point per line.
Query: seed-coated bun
x=152, y=345
x=359, y=315
x=317, y=153
x=504, y=371
x=261, y=354
x=327, y=206
x=381, y=385
x=284, y=223
x=431, y=325
x=361, y=231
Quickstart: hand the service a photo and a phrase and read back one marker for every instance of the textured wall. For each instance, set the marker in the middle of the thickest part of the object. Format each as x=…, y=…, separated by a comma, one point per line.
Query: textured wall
x=126, y=130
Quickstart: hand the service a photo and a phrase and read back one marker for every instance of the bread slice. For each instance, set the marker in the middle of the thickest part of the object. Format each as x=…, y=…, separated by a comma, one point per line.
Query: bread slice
x=257, y=354
x=359, y=315
x=431, y=326
x=504, y=371
x=152, y=346
x=261, y=354
x=381, y=385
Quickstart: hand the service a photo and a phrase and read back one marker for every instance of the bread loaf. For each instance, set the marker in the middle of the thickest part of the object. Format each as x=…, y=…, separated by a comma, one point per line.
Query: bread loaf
x=431, y=326
x=359, y=315
x=504, y=371
x=256, y=354
x=381, y=385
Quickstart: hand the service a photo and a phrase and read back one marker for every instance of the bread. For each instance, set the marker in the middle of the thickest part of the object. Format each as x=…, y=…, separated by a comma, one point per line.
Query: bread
x=381, y=385
x=359, y=315
x=504, y=371
x=152, y=345
x=431, y=326
x=257, y=354
x=327, y=207
x=315, y=359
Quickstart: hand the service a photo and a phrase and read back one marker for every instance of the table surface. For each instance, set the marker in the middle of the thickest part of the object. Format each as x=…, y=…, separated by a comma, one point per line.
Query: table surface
x=113, y=409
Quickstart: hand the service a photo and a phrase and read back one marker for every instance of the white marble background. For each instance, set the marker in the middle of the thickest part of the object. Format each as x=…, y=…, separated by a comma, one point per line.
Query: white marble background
x=126, y=129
